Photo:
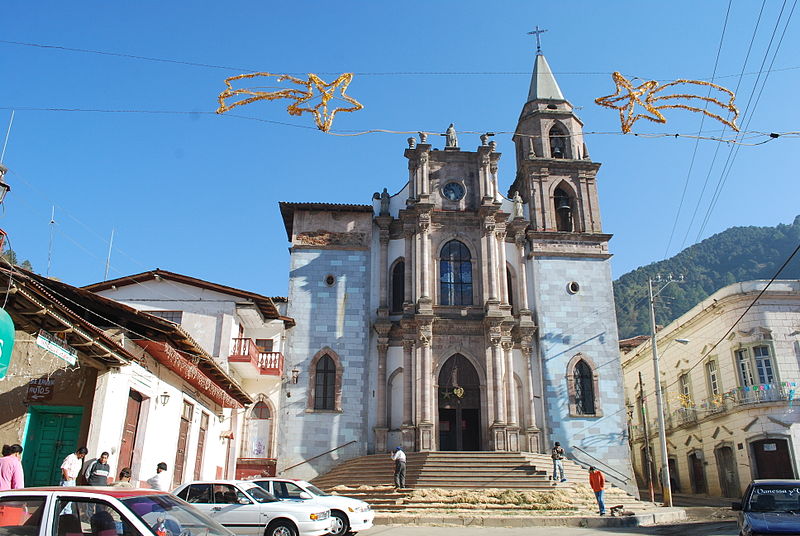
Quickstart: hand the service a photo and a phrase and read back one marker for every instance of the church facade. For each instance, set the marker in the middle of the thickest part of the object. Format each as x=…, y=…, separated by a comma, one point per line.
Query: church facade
x=451, y=317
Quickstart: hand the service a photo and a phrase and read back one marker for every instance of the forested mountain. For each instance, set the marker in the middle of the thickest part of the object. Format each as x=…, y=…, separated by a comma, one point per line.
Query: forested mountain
x=736, y=254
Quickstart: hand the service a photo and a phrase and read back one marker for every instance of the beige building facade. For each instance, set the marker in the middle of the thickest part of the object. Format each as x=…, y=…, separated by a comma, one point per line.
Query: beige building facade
x=729, y=375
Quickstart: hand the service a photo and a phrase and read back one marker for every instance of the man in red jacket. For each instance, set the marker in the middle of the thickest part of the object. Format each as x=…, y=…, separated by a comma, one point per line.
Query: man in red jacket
x=598, y=482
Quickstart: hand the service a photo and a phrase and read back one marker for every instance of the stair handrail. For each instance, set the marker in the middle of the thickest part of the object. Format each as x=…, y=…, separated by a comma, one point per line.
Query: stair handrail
x=317, y=456
x=622, y=477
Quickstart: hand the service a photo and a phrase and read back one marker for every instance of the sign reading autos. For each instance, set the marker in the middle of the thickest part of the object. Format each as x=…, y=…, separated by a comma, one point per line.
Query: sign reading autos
x=57, y=347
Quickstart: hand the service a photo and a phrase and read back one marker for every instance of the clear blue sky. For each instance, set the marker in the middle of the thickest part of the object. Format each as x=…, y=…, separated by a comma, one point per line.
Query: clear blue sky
x=198, y=193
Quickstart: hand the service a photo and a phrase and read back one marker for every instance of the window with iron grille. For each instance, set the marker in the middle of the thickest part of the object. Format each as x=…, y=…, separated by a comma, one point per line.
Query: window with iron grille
x=584, y=389
x=325, y=384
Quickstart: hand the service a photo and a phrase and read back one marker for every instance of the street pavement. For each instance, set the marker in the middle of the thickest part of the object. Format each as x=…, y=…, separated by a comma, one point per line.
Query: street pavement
x=714, y=528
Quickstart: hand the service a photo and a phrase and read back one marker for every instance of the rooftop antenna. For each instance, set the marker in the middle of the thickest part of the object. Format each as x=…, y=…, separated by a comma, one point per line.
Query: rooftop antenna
x=52, y=235
x=537, y=32
x=108, y=259
x=8, y=133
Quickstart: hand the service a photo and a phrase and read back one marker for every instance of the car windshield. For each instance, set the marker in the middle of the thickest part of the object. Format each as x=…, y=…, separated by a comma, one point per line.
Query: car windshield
x=258, y=493
x=169, y=515
x=774, y=498
x=315, y=490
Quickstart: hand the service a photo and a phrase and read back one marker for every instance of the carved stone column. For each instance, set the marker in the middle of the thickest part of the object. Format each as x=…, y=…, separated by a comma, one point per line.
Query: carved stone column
x=381, y=428
x=408, y=234
x=532, y=431
x=384, y=265
x=501, y=263
x=498, y=427
x=519, y=240
x=425, y=254
x=408, y=431
x=512, y=431
x=422, y=172
x=425, y=440
x=491, y=262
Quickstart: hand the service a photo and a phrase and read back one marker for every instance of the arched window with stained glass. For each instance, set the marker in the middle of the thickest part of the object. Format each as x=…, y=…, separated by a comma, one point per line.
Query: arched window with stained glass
x=455, y=274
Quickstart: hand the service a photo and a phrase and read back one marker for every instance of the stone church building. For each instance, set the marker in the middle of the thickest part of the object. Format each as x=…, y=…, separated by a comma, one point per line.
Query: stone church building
x=451, y=317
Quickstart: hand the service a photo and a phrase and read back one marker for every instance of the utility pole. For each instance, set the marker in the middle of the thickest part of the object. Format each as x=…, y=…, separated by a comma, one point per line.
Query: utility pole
x=647, y=460
x=666, y=487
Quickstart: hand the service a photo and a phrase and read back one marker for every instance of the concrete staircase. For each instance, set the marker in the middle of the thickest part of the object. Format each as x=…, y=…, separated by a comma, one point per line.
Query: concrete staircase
x=370, y=478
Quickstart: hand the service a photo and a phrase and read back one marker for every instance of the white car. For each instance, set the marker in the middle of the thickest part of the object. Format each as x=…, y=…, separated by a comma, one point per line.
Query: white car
x=247, y=509
x=101, y=511
x=349, y=515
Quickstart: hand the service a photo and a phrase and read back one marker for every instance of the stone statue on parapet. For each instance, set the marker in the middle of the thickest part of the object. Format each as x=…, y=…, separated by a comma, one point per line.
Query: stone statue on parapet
x=451, y=140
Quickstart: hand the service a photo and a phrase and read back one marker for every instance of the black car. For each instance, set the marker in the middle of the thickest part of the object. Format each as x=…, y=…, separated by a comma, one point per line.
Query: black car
x=769, y=507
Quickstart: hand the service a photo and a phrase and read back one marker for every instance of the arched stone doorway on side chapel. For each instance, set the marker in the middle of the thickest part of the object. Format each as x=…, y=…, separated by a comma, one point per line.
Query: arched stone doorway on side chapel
x=459, y=400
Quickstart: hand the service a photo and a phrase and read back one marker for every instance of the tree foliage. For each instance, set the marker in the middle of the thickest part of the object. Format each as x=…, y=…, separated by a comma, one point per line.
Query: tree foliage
x=734, y=255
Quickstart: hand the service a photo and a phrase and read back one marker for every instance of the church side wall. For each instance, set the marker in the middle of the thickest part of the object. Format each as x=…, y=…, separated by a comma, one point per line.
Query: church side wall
x=333, y=317
x=583, y=322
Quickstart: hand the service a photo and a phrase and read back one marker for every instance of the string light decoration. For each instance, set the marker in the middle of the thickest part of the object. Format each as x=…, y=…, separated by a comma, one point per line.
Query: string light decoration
x=647, y=95
x=306, y=91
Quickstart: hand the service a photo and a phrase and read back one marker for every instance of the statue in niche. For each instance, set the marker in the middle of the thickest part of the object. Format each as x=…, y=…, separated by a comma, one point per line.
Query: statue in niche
x=451, y=140
x=517, y=213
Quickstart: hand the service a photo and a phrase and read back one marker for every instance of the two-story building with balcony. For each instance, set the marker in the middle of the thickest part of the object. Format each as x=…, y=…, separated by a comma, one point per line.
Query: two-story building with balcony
x=729, y=373
x=243, y=331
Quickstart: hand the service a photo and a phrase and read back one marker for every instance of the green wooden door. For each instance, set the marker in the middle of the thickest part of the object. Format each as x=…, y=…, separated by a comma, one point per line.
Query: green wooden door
x=52, y=435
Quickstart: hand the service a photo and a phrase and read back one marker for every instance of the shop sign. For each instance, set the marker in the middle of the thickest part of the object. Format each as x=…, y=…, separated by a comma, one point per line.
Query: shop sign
x=6, y=341
x=57, y=347
x=40, y=389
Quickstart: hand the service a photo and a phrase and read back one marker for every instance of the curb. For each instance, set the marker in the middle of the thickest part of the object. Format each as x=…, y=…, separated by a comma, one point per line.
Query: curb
x=666, y=515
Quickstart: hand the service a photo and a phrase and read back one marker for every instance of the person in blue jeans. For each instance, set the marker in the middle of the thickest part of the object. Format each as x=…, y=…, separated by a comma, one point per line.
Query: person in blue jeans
x=598, y=483
x=558, y=466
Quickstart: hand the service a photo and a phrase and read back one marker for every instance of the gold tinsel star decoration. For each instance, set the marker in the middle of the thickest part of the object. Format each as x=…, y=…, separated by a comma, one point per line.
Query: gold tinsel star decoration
x=303, y=94
x=648, y=95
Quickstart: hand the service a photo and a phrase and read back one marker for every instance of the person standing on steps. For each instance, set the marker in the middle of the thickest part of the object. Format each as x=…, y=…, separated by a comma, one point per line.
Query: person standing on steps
x=558, y=466
x=598, y=483
x=399, y=458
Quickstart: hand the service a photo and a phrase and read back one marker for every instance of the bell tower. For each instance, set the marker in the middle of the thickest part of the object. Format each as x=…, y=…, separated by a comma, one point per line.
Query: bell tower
x=567, y=259
x=554, y=173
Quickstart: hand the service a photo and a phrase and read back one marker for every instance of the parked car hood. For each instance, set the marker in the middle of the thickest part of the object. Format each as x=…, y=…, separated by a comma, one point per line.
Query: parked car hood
x=773, y=522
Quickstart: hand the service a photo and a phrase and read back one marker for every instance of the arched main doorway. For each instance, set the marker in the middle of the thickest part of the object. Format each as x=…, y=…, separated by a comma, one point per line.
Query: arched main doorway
x=459, y=396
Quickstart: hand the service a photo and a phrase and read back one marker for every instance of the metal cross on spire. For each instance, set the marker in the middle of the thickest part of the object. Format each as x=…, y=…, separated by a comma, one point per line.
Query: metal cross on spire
x=537, y=32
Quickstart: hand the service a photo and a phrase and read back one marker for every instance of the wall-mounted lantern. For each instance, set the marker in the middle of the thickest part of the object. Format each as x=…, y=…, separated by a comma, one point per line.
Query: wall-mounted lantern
x=295, y=375
x=163, y=398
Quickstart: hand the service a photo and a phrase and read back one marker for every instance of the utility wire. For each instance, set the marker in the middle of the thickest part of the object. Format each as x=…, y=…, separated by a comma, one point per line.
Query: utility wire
x=721, y=184
x=717, y=148
x=361, y=73
x=702, y=122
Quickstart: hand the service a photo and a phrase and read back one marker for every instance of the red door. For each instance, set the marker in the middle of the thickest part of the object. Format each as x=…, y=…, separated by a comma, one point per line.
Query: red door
x=183, y=441
x=129, y=430
x=201, y=442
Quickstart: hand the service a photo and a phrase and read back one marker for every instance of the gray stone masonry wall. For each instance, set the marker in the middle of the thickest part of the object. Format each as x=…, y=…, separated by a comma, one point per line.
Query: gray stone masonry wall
x=333, y=316
x=583, y=322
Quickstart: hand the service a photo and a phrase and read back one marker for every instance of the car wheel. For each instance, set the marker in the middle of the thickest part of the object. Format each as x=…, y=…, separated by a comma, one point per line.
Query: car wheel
x=341, y=525
x=281, y=528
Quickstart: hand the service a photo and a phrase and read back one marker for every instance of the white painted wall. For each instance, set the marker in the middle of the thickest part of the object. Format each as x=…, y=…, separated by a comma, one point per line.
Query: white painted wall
x=777, y=311
x=158, y=425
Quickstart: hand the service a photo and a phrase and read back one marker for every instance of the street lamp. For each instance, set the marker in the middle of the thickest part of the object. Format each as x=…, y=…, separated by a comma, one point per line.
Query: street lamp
x=666, y=486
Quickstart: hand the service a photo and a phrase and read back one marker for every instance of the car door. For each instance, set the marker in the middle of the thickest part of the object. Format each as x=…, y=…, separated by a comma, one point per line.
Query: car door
x=200, y=496
x=237, y=511
x=285, y=490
